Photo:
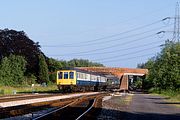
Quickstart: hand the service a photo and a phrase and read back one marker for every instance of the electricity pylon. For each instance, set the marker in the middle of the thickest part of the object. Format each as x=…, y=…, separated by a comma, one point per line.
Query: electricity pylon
x=176, y=32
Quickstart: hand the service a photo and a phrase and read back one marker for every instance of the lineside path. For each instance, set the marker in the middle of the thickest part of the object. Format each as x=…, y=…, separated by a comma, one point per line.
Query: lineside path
x=151, y=107
x=30, y=101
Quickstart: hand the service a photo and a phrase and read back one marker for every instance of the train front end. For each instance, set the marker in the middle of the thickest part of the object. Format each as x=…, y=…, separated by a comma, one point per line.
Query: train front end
x=66, y=79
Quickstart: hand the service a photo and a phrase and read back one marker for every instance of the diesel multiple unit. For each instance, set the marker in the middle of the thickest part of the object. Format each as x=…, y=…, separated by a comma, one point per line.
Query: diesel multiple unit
x=78, y=80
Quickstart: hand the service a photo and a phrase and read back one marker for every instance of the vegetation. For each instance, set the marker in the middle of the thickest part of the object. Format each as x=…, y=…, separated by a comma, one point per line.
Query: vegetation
x=29, y=89
x=18, y=43
x=173, y=96
x=164, y=70
x=82, y=63
x=43, y=69
x=22, y=63
x=12, y=70
x=54, y=65
x=138, y=83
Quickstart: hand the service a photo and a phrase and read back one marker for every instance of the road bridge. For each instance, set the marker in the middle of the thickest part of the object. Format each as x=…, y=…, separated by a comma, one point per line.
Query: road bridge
x=122, y=73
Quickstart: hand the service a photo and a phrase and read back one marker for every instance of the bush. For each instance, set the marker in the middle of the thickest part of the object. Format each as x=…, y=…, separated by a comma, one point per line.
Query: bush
x=29, y=79
x=164, y=72
x=12, y=70
x=43, y=70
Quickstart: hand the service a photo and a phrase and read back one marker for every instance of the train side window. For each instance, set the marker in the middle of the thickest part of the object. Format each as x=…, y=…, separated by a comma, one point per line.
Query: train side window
x=60, y=75
x=78, y=75
x=65, y=75
x=71, y=75
x=92, y=77
x=86, y=76
x=81, y=75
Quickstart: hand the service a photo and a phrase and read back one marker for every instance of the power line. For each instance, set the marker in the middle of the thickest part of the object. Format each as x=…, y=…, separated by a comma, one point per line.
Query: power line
x=104, y=48
x=113, y=51
x=134, y=52
x=99, y=49
x=130, y=58
x=111, y=36
x=106, y=41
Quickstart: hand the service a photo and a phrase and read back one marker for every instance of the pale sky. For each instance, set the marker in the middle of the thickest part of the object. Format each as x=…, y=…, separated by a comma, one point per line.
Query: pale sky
x=116, y=33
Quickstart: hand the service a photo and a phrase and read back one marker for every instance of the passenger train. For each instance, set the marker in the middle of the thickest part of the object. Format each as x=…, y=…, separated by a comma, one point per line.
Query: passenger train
x=79, y=80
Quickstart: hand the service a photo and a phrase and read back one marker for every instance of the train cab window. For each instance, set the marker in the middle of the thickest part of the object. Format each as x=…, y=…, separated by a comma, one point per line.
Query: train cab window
x=71, y=75
x=65, y=75
x=60, y=75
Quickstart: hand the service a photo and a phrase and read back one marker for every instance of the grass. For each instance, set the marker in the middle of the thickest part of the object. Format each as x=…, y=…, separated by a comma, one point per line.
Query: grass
x=174, y=96
x=6, y=90
x=128, y=99
x=123, y=100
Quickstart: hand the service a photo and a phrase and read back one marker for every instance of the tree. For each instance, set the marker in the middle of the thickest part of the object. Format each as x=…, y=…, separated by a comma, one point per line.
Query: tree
x=83, y=63
x=12, y=70
x=43, y=70
x=164, y=72
x=18, y=43
x=53, y=66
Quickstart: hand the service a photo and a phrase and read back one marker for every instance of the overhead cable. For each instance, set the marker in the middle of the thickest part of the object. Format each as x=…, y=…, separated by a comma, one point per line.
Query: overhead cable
x=120, y=55
x=109, y=47
x=129, y=58
x=114, y=51
x=111, y=36
x=107, y=41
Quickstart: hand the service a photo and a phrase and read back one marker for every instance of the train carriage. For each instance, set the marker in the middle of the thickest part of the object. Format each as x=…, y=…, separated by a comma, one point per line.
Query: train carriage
x=77, y=80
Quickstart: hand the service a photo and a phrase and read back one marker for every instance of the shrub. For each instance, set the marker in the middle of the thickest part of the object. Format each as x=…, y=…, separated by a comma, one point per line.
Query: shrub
x=12, y=70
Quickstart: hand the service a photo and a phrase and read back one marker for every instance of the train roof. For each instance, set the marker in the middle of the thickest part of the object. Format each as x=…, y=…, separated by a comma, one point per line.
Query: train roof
x=84, y=71
x=108, y=75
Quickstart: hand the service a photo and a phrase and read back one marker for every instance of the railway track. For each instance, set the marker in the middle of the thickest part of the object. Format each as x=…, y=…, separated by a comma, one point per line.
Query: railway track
x=10, y=98
x=84, y=113
x=32, y=109
x=53, y=111
x=81, y=108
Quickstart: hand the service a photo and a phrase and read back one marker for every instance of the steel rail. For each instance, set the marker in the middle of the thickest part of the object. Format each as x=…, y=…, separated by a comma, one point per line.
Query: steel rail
x=53, y=111
x=87, y=110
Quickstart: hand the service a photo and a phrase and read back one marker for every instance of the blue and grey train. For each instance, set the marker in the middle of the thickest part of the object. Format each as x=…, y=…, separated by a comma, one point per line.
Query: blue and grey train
x=79, y=80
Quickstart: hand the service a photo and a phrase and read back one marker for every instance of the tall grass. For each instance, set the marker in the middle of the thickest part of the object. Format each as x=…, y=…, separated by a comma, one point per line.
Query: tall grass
x=6, y=90
x=173, y=95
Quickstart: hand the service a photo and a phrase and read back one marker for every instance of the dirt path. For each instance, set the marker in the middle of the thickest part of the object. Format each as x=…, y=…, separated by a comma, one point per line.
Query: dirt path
x=151, y=107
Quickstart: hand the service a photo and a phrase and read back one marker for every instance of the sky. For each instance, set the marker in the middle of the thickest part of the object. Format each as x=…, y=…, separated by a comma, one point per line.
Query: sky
x=116, y=33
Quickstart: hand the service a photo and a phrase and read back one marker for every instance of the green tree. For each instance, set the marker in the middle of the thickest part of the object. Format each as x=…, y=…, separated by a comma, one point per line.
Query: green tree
x=53, y=66
x=164, y=72
x=18, y=43
x=43, y=70
x=12, y=70
x=138, y=83
x=82, y=63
